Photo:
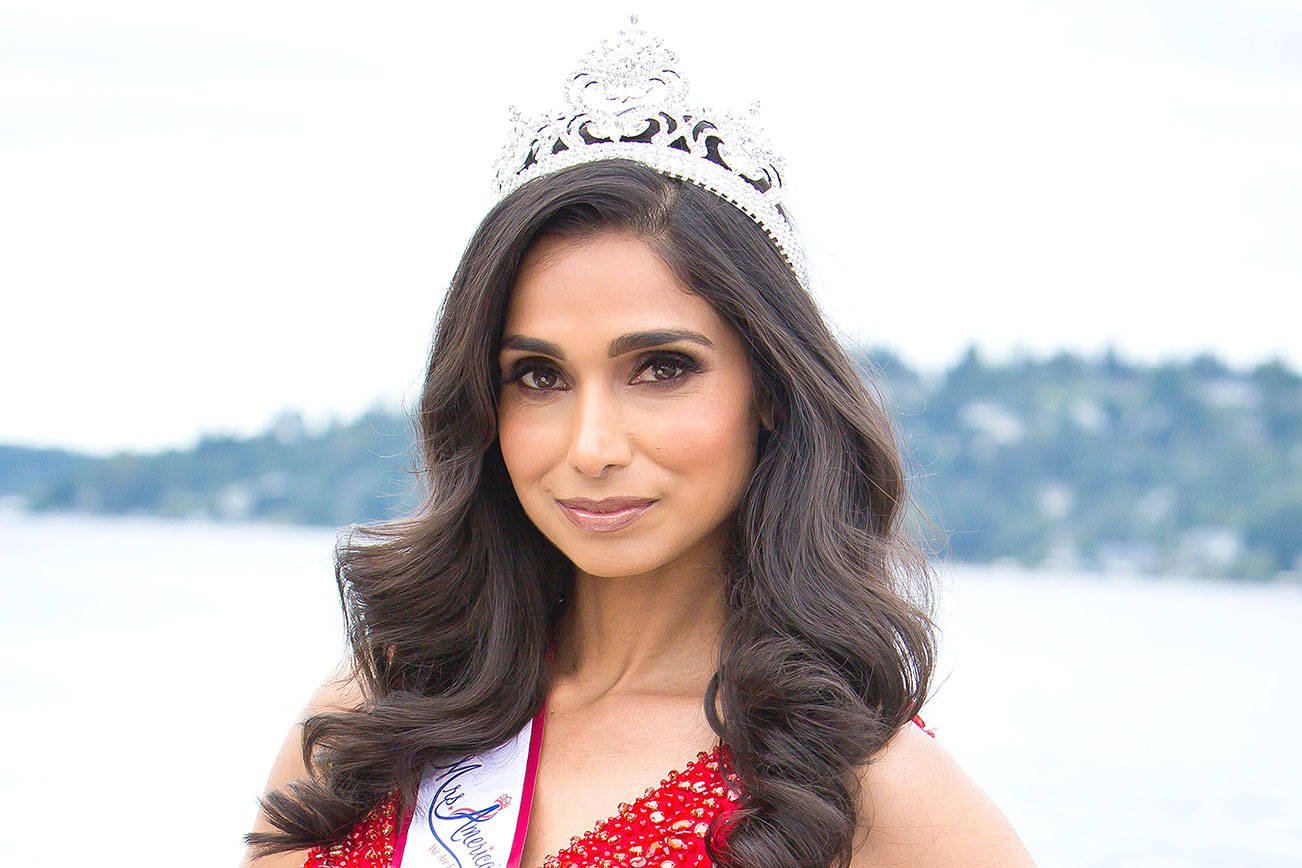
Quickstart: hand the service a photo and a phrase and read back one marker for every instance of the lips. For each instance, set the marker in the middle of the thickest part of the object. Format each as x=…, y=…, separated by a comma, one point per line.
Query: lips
x=609, y=504
x=601, y=516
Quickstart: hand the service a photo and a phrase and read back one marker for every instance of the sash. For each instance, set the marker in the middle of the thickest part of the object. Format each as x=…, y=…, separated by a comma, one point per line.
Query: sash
x=474, y=813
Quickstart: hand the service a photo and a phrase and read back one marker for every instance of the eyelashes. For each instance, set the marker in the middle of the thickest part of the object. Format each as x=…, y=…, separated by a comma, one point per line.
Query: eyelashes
x=528, y=372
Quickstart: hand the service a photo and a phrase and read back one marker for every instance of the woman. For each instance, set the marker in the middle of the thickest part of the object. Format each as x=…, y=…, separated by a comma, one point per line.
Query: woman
x=661, y=525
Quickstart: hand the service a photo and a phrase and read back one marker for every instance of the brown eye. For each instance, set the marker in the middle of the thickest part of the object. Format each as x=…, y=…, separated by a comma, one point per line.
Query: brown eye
x=667, y=368
x=534, y=376
x=544, y=378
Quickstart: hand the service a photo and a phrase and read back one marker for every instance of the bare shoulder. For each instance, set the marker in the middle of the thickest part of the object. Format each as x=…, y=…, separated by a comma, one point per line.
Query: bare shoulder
x=340, y=690
x=921, y=809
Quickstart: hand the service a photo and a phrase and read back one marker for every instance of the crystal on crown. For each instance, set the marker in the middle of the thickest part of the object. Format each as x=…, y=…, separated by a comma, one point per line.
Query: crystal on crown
x=627, y=100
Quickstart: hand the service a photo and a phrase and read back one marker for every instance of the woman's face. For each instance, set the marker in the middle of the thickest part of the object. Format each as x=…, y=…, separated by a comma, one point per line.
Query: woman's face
x=620, y=384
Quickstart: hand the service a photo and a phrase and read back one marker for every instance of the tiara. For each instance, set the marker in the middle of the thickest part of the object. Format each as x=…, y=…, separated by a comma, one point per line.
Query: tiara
x=627, y=100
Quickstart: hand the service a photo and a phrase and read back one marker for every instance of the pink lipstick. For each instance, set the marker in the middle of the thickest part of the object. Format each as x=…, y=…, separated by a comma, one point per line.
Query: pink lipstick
x=603, y=516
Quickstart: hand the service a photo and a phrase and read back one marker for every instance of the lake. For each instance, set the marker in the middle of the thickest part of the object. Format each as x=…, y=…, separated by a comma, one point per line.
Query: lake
x=153, y=668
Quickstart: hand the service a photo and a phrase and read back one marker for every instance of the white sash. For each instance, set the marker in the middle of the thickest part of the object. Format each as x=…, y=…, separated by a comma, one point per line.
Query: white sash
x=474, y=813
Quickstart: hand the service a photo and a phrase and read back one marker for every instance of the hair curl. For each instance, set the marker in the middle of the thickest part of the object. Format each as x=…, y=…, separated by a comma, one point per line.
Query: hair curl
x=829, y=643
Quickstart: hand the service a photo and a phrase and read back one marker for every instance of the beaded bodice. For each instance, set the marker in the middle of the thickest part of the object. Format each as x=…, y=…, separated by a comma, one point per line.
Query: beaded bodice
x=665, y=827
x=370, y=844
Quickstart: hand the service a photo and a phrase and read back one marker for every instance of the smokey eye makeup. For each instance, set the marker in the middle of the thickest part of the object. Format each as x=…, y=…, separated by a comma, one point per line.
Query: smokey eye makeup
x=537, y=374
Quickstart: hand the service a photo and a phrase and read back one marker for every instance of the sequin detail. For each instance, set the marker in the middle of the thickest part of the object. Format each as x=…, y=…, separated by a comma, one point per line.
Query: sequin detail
x=664, y=828
x=369, y=845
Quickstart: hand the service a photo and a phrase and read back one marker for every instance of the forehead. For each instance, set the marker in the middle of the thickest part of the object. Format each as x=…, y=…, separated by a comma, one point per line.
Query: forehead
x=601, y=285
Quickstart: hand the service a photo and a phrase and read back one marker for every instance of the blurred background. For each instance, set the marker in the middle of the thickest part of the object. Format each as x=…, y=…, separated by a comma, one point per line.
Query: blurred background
x=1061, y=236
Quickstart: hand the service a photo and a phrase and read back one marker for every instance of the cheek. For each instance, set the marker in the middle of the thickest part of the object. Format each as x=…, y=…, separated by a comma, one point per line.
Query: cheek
x=522, y=445
x=712, y=440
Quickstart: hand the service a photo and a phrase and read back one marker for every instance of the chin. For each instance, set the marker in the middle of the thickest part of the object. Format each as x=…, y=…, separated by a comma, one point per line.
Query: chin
x=611, y=559
x=611, y=565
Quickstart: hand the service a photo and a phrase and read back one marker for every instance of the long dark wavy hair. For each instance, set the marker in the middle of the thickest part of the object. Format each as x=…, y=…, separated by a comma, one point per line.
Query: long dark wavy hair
x=829, y=643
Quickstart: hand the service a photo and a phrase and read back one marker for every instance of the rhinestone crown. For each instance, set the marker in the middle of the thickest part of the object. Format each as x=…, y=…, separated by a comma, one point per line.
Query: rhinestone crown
x=627, y=100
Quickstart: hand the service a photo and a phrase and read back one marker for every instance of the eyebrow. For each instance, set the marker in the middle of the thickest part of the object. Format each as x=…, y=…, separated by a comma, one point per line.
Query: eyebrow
x=618, y=347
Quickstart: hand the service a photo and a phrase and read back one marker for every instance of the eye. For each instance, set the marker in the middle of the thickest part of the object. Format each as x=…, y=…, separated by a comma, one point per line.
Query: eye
x=534, y=375
x=673, y=367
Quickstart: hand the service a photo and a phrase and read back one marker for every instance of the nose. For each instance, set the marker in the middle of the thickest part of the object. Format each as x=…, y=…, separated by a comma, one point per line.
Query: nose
x=598, y=438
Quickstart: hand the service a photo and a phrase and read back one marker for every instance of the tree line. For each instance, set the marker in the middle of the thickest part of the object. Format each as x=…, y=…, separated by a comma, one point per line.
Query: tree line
x=1185, y=467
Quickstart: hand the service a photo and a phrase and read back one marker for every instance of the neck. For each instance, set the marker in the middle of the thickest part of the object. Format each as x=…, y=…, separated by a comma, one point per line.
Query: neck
x=655, y=632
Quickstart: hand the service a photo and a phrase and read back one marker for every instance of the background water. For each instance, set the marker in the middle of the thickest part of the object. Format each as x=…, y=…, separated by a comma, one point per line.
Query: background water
x=152, y=669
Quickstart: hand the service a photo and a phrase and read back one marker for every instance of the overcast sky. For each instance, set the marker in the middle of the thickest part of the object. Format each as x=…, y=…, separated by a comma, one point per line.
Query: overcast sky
x=210, y=212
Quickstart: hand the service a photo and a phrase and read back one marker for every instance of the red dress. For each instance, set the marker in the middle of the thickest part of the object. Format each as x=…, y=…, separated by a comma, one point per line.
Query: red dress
x=665, y=827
